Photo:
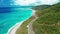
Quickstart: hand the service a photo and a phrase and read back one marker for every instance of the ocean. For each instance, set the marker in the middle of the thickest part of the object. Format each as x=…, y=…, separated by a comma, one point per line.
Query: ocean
x=9, y=16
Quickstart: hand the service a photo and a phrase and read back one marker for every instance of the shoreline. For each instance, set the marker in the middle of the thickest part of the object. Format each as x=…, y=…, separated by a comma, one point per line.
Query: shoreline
x=14, y=28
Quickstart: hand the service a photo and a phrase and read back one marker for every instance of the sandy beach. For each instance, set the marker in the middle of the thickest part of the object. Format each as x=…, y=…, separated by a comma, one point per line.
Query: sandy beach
x=14, y=28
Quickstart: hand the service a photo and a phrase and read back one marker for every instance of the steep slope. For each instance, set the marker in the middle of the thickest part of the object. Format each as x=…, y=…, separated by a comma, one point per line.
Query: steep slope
x=48, y=21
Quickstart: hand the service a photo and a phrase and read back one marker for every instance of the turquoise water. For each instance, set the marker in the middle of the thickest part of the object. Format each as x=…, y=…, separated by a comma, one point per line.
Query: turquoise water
x=9, y=17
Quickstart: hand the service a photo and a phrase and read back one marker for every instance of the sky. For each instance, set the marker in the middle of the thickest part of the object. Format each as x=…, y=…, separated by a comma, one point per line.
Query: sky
x=35, y=2
x=27, y=2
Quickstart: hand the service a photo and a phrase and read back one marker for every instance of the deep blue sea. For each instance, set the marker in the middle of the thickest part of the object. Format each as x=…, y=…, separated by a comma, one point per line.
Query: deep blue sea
x=10, y=16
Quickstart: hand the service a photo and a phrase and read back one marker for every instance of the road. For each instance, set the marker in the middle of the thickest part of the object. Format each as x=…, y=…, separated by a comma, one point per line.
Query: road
x=30, y=30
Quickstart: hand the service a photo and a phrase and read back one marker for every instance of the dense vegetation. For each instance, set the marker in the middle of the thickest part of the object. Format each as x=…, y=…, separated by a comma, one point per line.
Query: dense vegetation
x=48, y=21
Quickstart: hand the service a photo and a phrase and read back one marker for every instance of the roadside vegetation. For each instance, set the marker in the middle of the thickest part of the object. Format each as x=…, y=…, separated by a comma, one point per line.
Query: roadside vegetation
x=23, y=28
x=48, y=21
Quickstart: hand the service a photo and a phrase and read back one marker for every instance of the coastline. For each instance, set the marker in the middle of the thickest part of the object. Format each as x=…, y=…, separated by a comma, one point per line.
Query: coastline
x=14, y=28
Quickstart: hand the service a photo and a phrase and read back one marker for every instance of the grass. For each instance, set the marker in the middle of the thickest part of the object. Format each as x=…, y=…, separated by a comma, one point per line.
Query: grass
x=23, y=29
x=48, y=21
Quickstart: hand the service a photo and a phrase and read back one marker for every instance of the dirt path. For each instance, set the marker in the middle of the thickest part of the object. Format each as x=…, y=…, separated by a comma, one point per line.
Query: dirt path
x=30, y=30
